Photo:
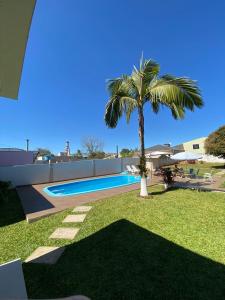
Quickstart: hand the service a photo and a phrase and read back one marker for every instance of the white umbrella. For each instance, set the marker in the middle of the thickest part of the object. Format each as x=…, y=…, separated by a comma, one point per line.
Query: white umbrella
x=186, y=156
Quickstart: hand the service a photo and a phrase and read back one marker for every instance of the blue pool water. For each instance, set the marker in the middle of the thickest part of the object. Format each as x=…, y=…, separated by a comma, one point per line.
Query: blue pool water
x=92, y=185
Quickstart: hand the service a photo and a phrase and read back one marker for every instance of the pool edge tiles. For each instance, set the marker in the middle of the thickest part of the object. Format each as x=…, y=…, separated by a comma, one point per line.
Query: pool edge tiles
x=97, y=185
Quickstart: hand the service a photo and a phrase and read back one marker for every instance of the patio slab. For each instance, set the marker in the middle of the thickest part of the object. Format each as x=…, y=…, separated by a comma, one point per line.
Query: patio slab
x=74, y=218
x=200, y=184
x=64, y=233
x=37, y=204
x=82, y=208
x=45, y=255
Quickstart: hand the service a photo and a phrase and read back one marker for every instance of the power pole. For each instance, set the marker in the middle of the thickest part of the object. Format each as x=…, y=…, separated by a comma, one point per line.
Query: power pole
x=27, y=141
x=117, y=151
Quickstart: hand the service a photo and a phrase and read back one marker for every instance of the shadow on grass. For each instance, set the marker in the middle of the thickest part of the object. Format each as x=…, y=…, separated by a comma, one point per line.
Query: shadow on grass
x=125, y=261
x=32, y=200
x=11, y=210
x=222, y=167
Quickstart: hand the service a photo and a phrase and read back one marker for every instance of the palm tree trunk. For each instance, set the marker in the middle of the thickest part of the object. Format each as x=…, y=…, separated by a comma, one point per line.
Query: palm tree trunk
x=143, y=170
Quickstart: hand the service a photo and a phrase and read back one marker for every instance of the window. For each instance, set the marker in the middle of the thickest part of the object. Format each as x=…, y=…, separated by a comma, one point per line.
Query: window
x=195, y=146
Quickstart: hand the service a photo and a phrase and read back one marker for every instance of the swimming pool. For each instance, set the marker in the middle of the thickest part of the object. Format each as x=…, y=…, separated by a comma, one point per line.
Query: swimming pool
x=91, y=185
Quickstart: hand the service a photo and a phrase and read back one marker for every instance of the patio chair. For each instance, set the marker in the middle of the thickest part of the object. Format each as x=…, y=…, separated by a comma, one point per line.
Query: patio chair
x=129, y=169
x=179, y=172
x=208, y=176
x=193, y=173
x=135, y=169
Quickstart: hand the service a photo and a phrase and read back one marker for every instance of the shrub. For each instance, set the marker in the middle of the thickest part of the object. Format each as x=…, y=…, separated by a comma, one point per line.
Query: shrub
x=215, y=143
x=5, y=186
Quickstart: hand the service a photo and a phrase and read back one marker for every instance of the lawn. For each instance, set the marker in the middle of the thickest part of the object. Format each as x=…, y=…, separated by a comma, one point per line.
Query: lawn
x=203, y=167
x=170, y=246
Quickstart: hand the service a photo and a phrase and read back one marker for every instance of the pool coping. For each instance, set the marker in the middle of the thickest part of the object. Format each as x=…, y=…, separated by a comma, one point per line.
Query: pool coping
x=37, y=204
x=51, y=194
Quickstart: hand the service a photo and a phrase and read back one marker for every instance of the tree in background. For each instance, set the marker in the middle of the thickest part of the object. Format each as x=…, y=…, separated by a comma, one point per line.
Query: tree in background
x=43, y=152
x=78, y=154
x=97, y=155
x=125, y=152
x=93, y=147
x=215, y=143
x=144, y=86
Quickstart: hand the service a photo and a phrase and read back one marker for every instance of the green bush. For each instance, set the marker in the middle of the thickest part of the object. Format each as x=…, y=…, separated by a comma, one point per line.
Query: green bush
x=5, y=186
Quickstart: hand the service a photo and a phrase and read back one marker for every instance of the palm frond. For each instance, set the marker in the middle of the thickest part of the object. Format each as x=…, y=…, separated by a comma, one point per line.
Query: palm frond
x=113, y=112
x=122, y=101
x=128, y=105
x=149, y=69
x=177, y=93
x=113, y=85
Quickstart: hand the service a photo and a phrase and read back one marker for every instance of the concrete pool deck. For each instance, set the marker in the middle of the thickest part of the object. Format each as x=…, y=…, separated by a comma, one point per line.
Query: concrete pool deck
x=38, y=204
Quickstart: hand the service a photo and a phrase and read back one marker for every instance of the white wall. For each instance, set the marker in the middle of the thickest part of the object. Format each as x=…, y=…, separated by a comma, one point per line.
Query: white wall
x=130, y=161
x=44, y=173
x=108, y=166
x=12, y=284
x=12, y=158
x=26, y=174
x=72, y=170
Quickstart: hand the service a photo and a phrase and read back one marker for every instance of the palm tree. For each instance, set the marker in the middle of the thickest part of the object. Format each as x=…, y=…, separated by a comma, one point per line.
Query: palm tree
x=143, y=86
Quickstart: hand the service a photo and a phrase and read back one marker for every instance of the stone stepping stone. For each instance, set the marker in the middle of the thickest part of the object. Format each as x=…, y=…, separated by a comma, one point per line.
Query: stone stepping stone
x=45, y=255
x=74, y=218
x=64, y=233
x=82, y=208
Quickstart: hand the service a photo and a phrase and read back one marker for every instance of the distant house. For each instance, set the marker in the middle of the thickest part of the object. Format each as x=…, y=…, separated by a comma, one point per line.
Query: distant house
x=110, y=155
x=157, y=156
x=196, y=146
x=156, y=150
x=15, y=156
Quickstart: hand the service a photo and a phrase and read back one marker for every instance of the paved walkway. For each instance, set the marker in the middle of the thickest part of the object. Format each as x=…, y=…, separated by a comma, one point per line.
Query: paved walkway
x=50, y=255
x=201, y=184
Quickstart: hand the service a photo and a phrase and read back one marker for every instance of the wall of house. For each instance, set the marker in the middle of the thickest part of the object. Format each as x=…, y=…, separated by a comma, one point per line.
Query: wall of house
x=44, y=173
x=188, y=146
x=12, y=284
x=155, y=163
x=10, y=158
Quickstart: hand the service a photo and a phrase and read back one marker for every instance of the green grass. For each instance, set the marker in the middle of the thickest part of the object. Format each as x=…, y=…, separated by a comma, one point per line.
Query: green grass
x=170, y=246
x=18, y=238
x=223, y=185
x=203, y=167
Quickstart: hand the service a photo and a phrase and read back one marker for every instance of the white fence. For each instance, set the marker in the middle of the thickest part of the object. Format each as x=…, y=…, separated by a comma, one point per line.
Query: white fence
x=36, y=173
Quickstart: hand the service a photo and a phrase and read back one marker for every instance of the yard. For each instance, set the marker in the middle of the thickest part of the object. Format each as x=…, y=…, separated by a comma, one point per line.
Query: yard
x=202, y=167
x=170, y=246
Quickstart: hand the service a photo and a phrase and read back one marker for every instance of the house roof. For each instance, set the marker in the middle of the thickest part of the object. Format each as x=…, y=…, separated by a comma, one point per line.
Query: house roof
x=179, y=147
x=160, y=148
x=15, y=20
x=11, y=149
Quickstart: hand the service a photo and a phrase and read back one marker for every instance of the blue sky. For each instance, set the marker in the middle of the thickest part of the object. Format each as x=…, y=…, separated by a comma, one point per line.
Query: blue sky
x=74, y=46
